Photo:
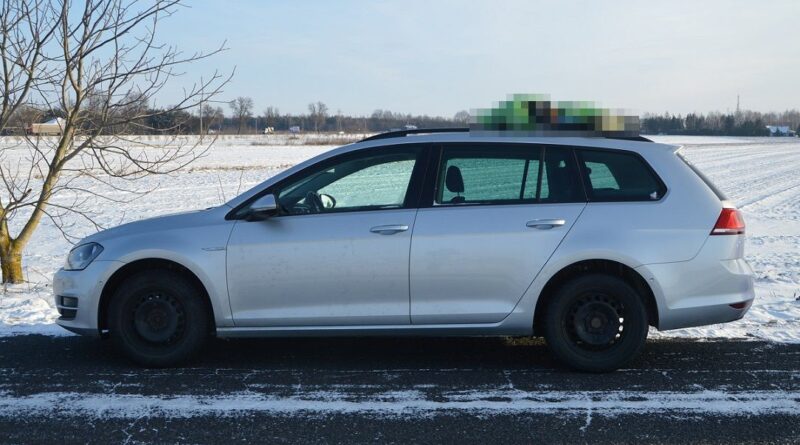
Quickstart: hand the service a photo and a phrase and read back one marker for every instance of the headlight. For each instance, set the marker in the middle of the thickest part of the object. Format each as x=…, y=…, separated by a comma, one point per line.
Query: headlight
x=82, y=256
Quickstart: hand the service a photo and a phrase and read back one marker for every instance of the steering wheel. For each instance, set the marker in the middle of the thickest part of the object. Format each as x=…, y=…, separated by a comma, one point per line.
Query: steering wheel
x=314, y=202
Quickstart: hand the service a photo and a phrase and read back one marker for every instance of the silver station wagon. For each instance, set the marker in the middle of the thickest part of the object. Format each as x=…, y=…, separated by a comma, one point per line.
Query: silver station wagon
x=586, y=241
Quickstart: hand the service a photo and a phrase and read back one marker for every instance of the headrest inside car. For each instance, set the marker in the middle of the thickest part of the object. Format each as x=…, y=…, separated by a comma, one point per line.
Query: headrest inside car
x=453, y=180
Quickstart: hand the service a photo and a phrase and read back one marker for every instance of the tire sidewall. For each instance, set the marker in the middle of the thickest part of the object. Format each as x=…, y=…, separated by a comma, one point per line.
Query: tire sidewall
x=631, y=343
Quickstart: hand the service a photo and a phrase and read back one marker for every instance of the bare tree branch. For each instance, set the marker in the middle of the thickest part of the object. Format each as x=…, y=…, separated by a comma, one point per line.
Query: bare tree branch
x=98, y=69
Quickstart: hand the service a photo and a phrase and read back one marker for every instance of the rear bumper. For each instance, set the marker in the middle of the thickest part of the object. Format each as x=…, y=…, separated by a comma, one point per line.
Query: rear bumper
x=701, y=291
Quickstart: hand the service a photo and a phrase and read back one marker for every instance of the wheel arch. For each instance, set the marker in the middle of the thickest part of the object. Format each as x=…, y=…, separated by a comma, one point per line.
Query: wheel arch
x=120, y=275
x=604, y=266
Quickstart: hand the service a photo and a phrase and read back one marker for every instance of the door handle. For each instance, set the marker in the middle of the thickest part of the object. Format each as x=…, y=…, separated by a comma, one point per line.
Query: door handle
x=545, y=224
x=390, y=229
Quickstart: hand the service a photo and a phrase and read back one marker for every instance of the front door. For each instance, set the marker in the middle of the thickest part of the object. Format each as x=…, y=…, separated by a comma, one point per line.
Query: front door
x=337, y=254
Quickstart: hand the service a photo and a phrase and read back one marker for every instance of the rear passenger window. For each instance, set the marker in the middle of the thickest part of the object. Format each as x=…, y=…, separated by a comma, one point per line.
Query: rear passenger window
x=507, y=175
x=601, y=177
x=619, y=176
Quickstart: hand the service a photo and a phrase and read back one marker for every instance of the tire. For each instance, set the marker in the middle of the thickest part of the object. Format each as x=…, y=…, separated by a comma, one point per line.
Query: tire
x=158, y=318
x=580, y=327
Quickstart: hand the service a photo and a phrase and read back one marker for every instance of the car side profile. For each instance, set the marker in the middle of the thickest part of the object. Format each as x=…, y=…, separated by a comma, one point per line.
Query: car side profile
x=586, y=241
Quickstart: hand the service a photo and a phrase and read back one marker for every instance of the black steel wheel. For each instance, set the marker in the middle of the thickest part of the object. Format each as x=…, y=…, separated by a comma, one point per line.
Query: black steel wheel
x=596, y=323
x=158, y=318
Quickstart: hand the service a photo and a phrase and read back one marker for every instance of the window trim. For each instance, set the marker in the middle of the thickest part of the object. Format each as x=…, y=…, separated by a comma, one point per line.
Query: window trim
x=413, y=192
x=587, y=187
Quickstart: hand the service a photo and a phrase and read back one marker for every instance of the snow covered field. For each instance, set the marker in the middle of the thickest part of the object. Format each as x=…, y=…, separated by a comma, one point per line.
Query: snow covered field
x=762, y=176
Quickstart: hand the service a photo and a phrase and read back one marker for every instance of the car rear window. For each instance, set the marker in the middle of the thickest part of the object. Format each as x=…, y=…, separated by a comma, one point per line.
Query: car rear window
x=705, y=179
x=612, y=176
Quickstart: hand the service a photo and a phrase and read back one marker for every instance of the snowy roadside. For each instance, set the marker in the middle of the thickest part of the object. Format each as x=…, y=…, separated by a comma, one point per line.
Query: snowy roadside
x=760, y=175
x=28, y=309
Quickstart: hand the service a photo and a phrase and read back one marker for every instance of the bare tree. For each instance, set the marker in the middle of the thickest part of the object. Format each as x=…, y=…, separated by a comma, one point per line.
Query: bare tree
x=242, y=108
x=318, y=112
x=27, y=27
x=271, y=115
x=312, y=114
x=462, y=117
x=215, y=117
x=97, y=65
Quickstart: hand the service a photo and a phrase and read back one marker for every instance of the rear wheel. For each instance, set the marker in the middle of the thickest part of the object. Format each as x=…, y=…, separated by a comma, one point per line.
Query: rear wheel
x=595, y=323
x=158, y=318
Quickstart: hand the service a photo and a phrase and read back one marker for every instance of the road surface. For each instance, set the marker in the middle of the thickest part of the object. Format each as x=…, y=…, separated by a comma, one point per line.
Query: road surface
x=419, y=390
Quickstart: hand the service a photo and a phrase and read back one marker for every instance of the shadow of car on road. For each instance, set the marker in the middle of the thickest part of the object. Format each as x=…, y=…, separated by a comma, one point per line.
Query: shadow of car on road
x=346, y=353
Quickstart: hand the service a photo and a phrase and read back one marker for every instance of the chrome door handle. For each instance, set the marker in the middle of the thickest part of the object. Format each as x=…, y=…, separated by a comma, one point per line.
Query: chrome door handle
x=390, y=229
x=544, y=224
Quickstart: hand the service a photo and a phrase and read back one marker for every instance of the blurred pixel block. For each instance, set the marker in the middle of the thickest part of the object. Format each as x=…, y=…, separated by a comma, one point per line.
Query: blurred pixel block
x=537, y=115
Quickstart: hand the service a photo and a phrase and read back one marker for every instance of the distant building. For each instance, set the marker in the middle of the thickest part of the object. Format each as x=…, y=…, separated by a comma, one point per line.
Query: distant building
x=780, y=130
x=294, y=129
x=52, y=127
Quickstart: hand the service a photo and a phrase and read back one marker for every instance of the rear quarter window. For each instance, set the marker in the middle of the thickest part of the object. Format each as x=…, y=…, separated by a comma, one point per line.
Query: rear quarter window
x=612, y=176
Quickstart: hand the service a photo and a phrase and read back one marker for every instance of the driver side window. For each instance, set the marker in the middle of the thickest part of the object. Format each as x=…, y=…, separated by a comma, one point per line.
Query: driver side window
x=379, y=181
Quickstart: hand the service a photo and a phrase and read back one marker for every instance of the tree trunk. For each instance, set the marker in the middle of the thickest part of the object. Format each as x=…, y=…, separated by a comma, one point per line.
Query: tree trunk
x=11, y=264
x=10, y=257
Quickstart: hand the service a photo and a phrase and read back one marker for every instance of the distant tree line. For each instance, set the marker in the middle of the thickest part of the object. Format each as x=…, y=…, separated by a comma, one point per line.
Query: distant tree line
x=740, y=123
x=211, y=117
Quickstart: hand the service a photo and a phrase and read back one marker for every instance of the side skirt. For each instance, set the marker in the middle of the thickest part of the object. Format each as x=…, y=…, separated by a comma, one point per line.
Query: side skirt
x=444, y=330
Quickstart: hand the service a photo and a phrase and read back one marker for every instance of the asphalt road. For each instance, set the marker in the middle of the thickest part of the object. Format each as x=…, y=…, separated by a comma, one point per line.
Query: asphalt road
x=78, y=390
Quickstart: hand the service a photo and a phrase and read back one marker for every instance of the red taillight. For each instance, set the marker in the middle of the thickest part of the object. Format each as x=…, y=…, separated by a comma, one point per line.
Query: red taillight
x=730, y=222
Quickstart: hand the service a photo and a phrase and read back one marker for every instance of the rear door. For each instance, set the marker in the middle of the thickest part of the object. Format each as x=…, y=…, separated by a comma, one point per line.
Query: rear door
x=495, y=214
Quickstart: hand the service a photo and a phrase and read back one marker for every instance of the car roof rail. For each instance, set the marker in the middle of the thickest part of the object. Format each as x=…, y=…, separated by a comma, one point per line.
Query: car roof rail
x=630, y=138
x=401, y=133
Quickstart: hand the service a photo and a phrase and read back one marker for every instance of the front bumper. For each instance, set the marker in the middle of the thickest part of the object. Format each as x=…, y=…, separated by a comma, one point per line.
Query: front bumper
x=85, y=286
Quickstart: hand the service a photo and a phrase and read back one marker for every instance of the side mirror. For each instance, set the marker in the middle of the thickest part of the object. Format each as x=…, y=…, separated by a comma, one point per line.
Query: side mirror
x=263, y=208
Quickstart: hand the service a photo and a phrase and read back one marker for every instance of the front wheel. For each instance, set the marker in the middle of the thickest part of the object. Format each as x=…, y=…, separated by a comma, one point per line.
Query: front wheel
x=595, y=323
x=158, y=319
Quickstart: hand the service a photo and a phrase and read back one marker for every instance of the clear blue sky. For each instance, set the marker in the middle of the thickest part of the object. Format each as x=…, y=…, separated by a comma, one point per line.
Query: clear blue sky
x=438, y=57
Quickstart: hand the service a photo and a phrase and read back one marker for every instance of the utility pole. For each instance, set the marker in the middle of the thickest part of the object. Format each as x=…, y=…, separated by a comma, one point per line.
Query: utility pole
x=738, y=110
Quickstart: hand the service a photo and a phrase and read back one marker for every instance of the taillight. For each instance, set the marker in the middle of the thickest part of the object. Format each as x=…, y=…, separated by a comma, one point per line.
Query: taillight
x=730, y=222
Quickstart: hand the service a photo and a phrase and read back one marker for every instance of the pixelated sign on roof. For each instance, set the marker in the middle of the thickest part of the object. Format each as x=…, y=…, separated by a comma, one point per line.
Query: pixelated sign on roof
x=536, y=114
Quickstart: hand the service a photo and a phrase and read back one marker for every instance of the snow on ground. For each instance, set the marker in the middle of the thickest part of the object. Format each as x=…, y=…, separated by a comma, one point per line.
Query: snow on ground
x=400, y=403
x=761, y=175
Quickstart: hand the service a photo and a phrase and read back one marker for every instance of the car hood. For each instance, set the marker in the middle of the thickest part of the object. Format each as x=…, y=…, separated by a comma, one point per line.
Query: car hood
x=181, y=220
